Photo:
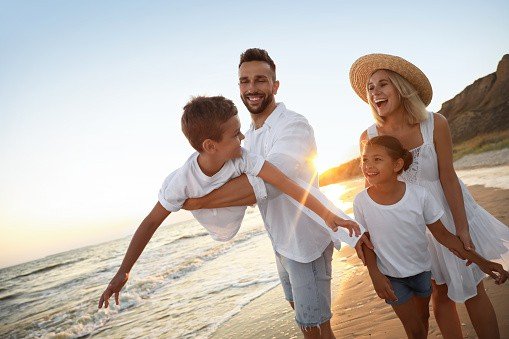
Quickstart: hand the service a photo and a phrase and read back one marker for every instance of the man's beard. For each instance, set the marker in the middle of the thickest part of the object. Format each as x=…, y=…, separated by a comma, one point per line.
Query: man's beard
x=263, y=105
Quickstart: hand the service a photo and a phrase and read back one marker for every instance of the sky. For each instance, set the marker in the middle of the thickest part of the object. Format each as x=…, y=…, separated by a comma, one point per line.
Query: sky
x=91, y=93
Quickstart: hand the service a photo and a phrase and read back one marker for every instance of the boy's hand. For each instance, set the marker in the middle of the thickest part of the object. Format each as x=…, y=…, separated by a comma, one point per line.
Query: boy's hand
x=350, y=225
x=358, y=247
x=494, y=270
x=192, y=204
x=383, y=287
x=114, y=287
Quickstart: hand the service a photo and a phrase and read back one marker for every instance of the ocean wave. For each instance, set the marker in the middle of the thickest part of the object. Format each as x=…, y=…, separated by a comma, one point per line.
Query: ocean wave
x=189, y=236
x=192, y=264
x=46, y=268
x=240, y=305
x=140, y=289
x=49, y=311
x=10, y=296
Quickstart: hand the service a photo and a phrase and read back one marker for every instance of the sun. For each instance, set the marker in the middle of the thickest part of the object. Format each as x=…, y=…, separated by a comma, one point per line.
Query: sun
x=321, y=164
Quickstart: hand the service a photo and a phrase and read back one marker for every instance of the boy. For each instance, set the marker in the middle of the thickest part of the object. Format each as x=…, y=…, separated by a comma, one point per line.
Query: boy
x=212, y=127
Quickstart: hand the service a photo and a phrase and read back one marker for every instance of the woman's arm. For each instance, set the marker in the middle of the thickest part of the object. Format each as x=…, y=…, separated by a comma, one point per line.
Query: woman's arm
x=449, y=240
x=449, y=179
x=359, y=246
x=362, y=140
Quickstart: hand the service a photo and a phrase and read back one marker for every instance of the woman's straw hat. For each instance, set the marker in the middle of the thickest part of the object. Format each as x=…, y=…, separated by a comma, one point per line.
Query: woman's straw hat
x=365, y=66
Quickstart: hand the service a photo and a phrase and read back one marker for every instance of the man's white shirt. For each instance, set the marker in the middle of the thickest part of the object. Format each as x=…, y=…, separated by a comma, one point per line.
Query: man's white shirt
x=287, y=141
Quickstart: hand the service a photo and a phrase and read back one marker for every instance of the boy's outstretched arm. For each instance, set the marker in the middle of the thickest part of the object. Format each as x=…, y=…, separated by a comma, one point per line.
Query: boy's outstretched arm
x=270, y=174
x=138, y=242
x=294, y=144
x=455, y=245
x=382, y=285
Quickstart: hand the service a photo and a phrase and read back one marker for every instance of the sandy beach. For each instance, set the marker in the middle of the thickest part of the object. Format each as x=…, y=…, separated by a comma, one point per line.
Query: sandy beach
x=357, y=311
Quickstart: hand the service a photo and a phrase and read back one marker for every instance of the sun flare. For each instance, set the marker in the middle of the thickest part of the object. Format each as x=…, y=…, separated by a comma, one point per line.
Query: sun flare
x=322, y=164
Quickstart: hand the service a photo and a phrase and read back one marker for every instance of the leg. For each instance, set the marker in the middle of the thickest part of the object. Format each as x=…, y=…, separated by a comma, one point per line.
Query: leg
x=310, y=293
x=326, y=330
x=411, y=315
x=482, y=314
x=445, y=313
x=422, y=304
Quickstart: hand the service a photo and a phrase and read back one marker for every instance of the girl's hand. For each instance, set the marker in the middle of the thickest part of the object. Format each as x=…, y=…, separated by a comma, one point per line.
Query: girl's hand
x=350, y=225
x=464, y=236
x=383, y=287
x=114, y=287
x=494, y=270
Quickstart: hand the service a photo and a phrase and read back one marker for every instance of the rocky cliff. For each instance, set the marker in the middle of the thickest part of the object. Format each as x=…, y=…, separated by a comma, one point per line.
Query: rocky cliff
x=481, y=108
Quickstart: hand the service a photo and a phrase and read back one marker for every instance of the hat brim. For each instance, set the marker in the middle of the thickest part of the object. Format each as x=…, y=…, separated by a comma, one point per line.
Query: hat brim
x=365, y=66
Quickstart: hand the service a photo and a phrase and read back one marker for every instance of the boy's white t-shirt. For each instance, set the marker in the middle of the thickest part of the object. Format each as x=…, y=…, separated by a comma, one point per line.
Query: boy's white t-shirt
x=190, y=182
x=398, y=231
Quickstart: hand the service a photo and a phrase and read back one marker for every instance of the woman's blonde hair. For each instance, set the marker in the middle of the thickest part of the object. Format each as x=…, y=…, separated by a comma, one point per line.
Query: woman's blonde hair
x=409, y=97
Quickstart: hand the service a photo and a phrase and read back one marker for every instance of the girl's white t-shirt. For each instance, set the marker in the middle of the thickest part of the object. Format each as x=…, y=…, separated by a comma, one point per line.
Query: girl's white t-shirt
x=398, y=231
x=190, y=182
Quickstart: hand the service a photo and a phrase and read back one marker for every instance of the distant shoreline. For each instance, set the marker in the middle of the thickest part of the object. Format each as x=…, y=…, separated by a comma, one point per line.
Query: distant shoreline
x=485, y=159
x=350, y=170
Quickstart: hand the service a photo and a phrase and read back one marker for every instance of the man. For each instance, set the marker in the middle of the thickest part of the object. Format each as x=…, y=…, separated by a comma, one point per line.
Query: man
x=303, y=249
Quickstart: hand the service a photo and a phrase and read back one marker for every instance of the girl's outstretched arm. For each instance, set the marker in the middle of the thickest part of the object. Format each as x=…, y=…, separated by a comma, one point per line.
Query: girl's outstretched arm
x=453, y=243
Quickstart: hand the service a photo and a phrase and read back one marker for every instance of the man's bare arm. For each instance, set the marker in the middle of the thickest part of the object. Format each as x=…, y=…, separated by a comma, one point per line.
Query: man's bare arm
x=236, y=192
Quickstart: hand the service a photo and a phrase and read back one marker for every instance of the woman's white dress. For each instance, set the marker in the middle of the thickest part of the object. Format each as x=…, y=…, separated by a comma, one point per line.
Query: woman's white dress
x=490, y=236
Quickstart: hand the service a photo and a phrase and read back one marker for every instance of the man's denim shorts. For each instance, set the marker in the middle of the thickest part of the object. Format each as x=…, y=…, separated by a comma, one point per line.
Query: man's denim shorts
x=405, y=288
x=308, y=286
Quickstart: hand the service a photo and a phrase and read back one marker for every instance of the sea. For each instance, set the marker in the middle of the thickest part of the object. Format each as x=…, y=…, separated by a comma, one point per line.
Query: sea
x=184, y=285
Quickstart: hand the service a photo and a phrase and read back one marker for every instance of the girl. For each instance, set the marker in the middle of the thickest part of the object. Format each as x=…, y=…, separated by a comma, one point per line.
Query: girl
x=398, y=93
x=396, y=214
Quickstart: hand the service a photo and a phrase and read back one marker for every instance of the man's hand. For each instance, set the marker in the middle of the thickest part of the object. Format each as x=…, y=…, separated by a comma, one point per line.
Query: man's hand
x=358, y=247
x=192, y=204
x=383, y=287
x=114, y=287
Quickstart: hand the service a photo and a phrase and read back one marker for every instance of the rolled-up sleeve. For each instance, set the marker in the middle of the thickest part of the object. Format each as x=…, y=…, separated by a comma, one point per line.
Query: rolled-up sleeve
x=292, y=149
x=172, y=193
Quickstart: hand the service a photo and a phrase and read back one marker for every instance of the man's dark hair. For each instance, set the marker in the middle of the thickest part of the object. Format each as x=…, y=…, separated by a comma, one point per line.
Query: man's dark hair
x=203, y=118
x=258, y=54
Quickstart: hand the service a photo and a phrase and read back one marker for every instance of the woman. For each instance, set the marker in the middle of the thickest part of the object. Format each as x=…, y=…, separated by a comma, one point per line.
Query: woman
x=398, y=93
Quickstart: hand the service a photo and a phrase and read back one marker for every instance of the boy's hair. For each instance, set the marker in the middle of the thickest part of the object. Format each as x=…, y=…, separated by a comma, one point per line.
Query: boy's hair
x=394, y=148
x=410, y=99
x=258, y=54
x=203, y=118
